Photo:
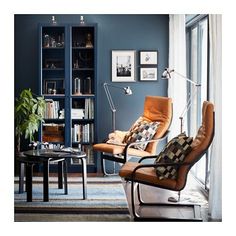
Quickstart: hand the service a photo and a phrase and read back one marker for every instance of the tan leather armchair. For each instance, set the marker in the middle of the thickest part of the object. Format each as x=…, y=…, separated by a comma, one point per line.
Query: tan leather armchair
x=145, y=173
x=156, y=108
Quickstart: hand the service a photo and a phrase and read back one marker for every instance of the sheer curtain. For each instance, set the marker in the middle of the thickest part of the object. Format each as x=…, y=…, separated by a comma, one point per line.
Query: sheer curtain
x=215, y=194
x=177, y=89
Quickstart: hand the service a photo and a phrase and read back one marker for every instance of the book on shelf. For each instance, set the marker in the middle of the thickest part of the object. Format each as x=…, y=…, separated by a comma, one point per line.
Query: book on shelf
x=89, y=153
x=77, y=113
x=82, y=133
x=52, y=109
x=89, y=108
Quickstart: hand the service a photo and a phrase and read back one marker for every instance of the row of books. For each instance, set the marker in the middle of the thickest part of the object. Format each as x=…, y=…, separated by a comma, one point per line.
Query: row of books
x=89, y=108
x=52, y=109
x=89, y=153
x=82, y=133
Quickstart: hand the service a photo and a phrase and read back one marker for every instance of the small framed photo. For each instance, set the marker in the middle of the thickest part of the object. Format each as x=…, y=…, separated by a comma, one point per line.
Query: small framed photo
x=50, y=86
x=54, y=86
x=123, y=65
x=148, y=57
x=148, y=74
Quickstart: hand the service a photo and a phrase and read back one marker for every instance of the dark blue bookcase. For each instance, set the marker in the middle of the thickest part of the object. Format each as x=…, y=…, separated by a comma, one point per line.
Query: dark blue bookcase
x=68, y=82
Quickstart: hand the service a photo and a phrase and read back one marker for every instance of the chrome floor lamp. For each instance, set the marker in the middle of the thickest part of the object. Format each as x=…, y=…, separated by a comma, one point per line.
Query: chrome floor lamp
x=126, y=90
x=167, y=75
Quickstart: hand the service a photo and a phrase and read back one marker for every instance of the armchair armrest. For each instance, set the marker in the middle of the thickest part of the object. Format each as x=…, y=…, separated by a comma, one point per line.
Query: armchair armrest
x=143, y=142
x=147, y=157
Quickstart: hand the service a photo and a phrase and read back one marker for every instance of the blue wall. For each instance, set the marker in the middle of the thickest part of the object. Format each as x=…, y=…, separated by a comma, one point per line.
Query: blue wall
x=136, y=32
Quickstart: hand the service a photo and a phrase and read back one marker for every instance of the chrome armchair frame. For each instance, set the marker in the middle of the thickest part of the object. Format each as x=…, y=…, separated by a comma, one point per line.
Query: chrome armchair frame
x=122, y=158
x=196, y=208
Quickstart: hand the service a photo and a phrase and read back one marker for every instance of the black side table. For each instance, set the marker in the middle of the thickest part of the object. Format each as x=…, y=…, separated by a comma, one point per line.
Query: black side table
x=46, y=156
x=27, y=163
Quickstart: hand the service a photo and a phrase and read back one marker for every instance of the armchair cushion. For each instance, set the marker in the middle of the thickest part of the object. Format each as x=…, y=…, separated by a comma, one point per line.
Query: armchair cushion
x=174, y=152
x=142, y=131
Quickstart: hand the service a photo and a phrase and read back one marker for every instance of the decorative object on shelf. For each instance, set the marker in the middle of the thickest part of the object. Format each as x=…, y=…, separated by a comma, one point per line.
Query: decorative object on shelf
x=148, y=74
x=52, y=63
x=54, y=86
x=148, y=57
x=126, y=90
x=60, y=41
x=88, y=41
x=46, y=41
x=87, y=85
x=123, y=65
x=50, y=87
x=77, y=86
x=54, y=22
x=76, y=64
x=50, y=40
x=29, y=111
x=82, y=20
x=167, y=75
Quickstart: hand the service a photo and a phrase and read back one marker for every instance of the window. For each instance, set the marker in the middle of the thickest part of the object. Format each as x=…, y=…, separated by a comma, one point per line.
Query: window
x=197, y=65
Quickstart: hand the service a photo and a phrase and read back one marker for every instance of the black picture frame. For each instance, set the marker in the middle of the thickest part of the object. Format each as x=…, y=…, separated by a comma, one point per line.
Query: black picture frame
x=148, y=74
x=148, y=57
x=123, y=65
x=54, y=86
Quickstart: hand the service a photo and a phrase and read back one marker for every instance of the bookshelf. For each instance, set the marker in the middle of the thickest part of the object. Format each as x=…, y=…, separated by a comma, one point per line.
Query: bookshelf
x=68, y=83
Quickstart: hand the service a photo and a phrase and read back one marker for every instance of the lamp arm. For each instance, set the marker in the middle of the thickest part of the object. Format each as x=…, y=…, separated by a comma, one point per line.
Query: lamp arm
x=190, y=81
x=126, y=90
x=112, y=106
x=167, y=75
x=109, y=98
x=114, y=86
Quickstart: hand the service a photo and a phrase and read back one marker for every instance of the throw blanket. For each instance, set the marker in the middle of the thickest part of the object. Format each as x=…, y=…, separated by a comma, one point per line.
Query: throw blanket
x=117, y=137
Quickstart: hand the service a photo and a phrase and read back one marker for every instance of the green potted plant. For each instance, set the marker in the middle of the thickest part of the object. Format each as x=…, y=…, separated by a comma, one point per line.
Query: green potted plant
x=29, y=113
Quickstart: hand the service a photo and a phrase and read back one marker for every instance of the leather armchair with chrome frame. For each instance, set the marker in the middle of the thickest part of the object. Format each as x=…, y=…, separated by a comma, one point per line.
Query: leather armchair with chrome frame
x=145, y=174
x=156, y=108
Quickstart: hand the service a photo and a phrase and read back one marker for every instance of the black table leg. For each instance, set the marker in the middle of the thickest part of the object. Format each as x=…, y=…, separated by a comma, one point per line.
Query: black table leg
x=45, y=181
x=21, y=177
x=60, y=174
x=65, y=176
x=84, y=177
x=29, y=174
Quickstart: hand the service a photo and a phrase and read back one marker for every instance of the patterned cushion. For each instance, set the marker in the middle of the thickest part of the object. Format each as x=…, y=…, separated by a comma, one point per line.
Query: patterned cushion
x=174, y=152
x=142, y=131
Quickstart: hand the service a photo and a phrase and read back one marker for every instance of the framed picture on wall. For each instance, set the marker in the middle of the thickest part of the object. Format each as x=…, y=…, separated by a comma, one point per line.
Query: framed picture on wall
x=148, y=57
x=123, y=65
x=148, y=74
